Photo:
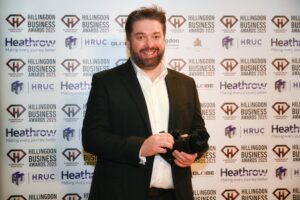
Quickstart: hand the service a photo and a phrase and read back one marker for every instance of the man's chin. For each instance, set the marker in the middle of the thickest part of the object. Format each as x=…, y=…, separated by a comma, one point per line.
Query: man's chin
x=149, y=65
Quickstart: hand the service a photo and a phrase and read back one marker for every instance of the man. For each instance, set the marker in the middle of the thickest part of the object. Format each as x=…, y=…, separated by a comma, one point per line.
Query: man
x=130, y=112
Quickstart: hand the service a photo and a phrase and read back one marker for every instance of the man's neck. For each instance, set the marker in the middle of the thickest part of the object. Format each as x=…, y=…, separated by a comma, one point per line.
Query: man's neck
x=154, y=72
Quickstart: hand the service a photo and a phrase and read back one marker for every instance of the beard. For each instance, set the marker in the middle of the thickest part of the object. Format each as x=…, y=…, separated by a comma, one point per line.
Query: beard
x=147, y=63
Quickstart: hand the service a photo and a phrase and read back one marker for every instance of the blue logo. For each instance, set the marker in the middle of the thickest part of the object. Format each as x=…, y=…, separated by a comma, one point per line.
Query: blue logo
x=71, y=42
x=17, y=87
x=230, y=131
x=17, y=178
x=68, y=133
x=227, y=42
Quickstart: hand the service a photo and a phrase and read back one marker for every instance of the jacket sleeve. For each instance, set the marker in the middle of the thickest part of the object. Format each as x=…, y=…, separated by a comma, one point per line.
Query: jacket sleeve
x=97, y=132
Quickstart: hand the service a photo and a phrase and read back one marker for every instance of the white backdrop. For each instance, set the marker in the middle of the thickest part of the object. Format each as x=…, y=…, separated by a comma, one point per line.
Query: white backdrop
x=244, y=56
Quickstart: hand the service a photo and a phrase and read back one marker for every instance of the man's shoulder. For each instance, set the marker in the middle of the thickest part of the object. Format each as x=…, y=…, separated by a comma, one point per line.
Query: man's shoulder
x=179, y=75
x=115, y=71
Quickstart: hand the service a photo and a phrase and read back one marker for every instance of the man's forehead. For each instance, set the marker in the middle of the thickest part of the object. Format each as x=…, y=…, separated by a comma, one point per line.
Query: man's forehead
x=145, y=25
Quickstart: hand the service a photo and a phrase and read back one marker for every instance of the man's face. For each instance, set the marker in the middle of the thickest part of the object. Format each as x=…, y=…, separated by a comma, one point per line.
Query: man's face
x=147, y=43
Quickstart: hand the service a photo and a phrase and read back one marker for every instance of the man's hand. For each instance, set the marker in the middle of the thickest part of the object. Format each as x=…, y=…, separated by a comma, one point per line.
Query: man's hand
x=183, y=159
x=157, y=143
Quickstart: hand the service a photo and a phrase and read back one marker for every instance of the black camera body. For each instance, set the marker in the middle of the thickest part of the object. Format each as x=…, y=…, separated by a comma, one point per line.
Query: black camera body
x=196, y=142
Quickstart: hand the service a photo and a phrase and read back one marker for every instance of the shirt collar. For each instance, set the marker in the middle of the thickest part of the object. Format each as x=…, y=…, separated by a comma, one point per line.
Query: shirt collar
x=140, y=72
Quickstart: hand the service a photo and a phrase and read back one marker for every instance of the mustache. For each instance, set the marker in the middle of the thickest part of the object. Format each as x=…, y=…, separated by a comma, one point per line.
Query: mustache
x=151, y=49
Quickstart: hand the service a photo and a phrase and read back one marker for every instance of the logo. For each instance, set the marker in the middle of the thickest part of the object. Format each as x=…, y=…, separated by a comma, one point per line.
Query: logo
x=197, y=43
x=229, y=151
x=177, y=64
x=29, y=43
x=121, y=20
x=72, y=196
x=230, y=131
x=71, y=109
x=121, y=61
x=280, y=21
x=280, y=107
x=280, y=85
x=280, y=63
x=70, y=20
x=16, y=110
x=176, y=20
x=229, y=64
x=15, y=20
x=281, y=193
x=71, y=154
x=70, y=64
x=16, y=155
x=71, y=42
x=89, y=159
x=229, y=21
x=227, y=42
x=17, y=178
x=17, y=87
x=68, y=133
x=230, y=194
x=281, y=150
x=16, y=197
x=281, y=172
x=229, y=108
x=15, y=64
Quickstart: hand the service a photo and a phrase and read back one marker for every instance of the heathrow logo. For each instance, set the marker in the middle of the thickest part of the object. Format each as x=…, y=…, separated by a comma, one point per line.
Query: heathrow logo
x=15, y=20
x=229, y=21
x=229, y=64
x=280, y=21
x=230, y=194
x=176, y=21
x=121, y=20
x=177, y=64
x=70, y=20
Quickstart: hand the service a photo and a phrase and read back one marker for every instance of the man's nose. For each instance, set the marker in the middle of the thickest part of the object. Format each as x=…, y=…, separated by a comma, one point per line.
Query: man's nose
x=149, y=42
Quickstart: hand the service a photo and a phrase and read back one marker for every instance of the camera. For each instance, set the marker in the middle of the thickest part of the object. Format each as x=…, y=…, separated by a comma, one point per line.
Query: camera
x=196, y=142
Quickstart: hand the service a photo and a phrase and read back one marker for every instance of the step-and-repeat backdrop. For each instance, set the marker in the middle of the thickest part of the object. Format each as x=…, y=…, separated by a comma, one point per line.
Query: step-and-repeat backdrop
x=244, y=56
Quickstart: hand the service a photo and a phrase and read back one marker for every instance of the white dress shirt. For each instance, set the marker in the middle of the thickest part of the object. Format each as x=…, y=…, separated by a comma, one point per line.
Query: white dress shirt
x=157, y=100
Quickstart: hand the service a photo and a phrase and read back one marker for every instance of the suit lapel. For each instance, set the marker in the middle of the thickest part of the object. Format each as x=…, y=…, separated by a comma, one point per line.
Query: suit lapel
x=132, y=84
x=172, y=88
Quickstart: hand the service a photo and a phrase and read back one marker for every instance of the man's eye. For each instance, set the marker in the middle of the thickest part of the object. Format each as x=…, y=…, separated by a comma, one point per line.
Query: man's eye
x=140, y=37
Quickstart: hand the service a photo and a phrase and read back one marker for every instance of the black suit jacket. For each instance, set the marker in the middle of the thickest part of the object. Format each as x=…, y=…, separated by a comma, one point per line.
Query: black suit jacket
x=116, y=123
